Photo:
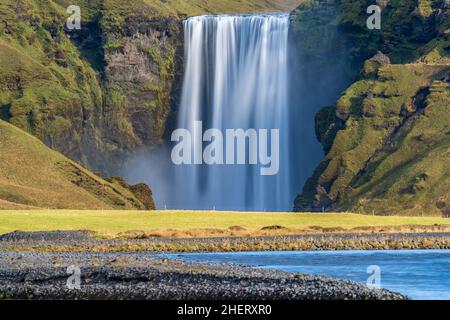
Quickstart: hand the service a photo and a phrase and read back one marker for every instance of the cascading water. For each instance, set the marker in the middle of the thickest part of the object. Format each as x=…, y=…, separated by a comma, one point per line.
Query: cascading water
x=240, y=74
x=236, y=76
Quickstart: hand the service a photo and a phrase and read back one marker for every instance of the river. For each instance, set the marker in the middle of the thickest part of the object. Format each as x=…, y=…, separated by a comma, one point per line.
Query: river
x=419, y=274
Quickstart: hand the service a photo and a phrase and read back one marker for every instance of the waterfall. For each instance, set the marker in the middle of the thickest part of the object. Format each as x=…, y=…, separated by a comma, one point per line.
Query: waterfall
x=236, y=76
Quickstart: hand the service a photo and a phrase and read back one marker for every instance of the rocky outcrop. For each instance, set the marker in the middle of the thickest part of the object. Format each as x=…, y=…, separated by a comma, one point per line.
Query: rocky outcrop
x=372, y=65
x=141, y=191
x=386, y=138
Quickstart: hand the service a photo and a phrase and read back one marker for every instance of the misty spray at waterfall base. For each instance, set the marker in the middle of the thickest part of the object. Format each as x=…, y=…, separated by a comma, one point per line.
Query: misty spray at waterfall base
x=236, y=77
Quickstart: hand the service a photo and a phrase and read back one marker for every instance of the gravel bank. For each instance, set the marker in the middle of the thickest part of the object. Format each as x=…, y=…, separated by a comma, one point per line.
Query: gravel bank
x=34, y=265
x=148, y=276
x=79, y=241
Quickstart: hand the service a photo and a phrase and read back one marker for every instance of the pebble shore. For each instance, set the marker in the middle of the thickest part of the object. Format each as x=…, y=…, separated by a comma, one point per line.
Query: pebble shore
x=33, y=265
x=30, y=275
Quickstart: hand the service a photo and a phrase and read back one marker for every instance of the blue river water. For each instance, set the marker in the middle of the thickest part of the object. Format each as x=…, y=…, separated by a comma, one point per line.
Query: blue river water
x=419, y=274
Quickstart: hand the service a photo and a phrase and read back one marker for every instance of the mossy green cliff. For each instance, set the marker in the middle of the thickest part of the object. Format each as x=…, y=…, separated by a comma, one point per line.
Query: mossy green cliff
x=95, y=94
x=100, y=93
x=387, y=138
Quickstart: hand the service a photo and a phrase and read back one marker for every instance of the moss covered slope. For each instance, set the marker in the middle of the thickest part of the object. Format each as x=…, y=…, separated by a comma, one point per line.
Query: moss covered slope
x=46, y=87
x=387, y=138
x=199, y=7
x=102, y=92
x=34, y=176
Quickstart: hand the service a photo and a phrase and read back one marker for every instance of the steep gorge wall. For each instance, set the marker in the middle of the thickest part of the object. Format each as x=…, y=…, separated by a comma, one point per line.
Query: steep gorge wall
x=45, y=87
x=386, y=138
x=320, y=69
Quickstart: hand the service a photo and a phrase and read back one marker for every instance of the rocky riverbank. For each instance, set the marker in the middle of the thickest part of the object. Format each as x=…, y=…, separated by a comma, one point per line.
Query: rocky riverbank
x=149, y=276
x=34, y=265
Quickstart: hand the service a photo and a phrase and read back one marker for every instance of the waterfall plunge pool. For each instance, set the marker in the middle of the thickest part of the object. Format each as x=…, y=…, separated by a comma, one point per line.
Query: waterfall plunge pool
x=419, y=274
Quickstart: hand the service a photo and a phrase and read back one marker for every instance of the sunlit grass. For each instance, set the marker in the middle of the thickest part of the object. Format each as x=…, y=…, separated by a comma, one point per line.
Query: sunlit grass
x=198, y=7
x=113, y=222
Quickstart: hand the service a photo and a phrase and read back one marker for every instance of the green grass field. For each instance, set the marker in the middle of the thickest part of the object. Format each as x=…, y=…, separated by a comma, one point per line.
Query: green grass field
x=113, y=222
x=198, y=7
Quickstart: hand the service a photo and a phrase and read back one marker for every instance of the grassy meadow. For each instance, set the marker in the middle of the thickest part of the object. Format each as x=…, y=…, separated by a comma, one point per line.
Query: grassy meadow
x=113, y=223
x=34, y=176
x=198, y=7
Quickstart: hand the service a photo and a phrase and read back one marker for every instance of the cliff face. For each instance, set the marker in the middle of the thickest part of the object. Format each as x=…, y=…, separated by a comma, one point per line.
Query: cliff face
x=95, y=94
x=143, y=63
x=387, y=138
x=100, y=93
x=45, y=87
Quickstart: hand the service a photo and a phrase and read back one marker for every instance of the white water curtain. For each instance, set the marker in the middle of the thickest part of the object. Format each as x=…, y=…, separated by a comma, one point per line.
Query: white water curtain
x=236, y=76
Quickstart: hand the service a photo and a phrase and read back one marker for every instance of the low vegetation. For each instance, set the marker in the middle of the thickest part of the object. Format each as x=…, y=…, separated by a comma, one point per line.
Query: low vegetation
x=198, y=7
x=138, y=224
x=329, y=242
